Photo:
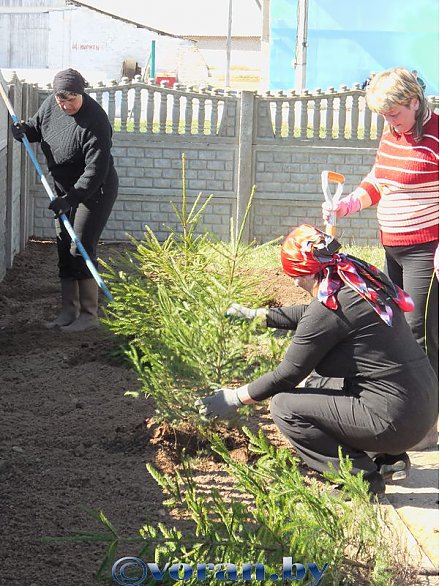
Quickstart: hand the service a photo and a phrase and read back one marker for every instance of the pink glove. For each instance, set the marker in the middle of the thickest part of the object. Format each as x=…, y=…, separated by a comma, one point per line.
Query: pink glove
x=346, y=206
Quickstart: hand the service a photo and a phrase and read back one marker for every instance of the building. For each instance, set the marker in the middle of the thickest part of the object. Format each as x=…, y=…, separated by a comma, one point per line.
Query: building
x=40, y=37
x=198, y=42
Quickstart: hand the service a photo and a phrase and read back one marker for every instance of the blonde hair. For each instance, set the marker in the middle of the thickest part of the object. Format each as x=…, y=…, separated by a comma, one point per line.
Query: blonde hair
x=397, y=87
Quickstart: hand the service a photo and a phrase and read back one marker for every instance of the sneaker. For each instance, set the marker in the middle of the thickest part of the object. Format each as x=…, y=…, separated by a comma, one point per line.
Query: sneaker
x=393, y=467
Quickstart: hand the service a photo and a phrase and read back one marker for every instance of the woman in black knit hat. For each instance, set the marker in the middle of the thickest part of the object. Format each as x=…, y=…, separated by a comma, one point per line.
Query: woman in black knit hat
x=75, y=136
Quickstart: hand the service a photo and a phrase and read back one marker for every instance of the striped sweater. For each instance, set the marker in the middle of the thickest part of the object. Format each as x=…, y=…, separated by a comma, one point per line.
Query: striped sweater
x=404, y=183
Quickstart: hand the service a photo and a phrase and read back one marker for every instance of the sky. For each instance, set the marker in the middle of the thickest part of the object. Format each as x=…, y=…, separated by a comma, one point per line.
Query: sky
x=189, y=16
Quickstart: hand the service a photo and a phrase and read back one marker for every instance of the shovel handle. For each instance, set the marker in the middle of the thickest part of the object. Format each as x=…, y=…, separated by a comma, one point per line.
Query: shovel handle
x=330, y=229
x=334, y=177
x=326, y=178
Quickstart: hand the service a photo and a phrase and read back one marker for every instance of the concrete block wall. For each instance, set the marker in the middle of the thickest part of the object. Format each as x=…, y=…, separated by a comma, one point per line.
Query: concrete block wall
x=289, y=192
x=286, y=173
x=43, y=225
x=150, y=178
x=274, y=218
x=287, y=180
x=131, y=215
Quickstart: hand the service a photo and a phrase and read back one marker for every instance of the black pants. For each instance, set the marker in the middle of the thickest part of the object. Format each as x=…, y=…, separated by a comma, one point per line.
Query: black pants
x=317, y=421
x=412, y=269
x=88, y=220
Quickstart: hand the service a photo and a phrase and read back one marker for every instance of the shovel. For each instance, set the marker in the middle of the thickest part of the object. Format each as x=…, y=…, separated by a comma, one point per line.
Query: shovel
x=328, y=177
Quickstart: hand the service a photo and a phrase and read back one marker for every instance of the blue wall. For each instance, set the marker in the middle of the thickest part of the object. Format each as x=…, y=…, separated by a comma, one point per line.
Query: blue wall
x=347, y=39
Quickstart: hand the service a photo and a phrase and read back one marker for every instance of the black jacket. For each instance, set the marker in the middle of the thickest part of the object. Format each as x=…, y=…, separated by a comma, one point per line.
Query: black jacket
x=383, y=365
x=77, y=148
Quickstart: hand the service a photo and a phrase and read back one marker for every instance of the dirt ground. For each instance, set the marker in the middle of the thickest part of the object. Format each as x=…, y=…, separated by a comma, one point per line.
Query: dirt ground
x=70, y=440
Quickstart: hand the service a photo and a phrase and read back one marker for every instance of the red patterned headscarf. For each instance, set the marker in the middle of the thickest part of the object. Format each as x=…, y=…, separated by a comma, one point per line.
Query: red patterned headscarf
x=308, y=251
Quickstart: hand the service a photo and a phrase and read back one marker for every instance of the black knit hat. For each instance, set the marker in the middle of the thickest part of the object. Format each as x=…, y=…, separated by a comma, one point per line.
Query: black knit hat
x=69, y=81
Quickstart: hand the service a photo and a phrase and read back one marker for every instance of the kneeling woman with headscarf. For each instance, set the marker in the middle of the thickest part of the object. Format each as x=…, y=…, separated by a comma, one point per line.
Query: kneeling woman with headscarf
x=354, y=329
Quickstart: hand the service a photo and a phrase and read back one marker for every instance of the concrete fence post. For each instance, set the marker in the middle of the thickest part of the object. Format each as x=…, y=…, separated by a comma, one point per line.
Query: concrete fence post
x=4, y=122
x=26, y=201
x=244, y=173
x=13, y=185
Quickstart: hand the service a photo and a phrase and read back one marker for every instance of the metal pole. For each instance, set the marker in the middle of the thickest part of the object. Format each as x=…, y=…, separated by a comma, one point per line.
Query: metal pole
x=228, y=47
x=301, y=45
x=265, y=46
x=52, y=196
x=153, y=60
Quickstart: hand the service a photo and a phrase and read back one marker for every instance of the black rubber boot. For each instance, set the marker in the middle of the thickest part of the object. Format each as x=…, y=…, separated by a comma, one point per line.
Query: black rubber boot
x=69, y=304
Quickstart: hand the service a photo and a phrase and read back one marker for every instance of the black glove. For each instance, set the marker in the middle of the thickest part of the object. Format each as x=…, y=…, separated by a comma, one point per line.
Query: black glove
x=60, y=205
x=18, y=130
x=223, y=404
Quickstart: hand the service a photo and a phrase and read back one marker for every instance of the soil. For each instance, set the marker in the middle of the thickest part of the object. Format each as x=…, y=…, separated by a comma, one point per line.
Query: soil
x=70, y=441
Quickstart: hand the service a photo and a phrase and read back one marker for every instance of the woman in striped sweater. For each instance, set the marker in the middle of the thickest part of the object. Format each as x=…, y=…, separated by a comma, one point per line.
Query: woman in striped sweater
x=404, y=184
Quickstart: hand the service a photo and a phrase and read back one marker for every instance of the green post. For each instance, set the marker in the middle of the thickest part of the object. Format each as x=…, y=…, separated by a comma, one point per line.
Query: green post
x=153, y=60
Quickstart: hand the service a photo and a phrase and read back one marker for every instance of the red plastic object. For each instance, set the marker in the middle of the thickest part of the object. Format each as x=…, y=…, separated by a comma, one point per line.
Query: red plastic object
x=171, y=80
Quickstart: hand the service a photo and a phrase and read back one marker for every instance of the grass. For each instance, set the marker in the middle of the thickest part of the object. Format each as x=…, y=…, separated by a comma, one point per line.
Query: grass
x=357, y=134
x=347, y=133
x=268, y=257
x=168, y=127
x=373, y=254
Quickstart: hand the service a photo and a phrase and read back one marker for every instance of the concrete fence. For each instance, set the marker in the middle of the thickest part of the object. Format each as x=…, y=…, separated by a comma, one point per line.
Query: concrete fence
x=16, y=202
x=278, y=143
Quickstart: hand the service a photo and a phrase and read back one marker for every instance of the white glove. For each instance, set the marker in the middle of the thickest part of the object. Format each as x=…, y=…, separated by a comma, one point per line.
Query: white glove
x=241, y=312
x=223, y=404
